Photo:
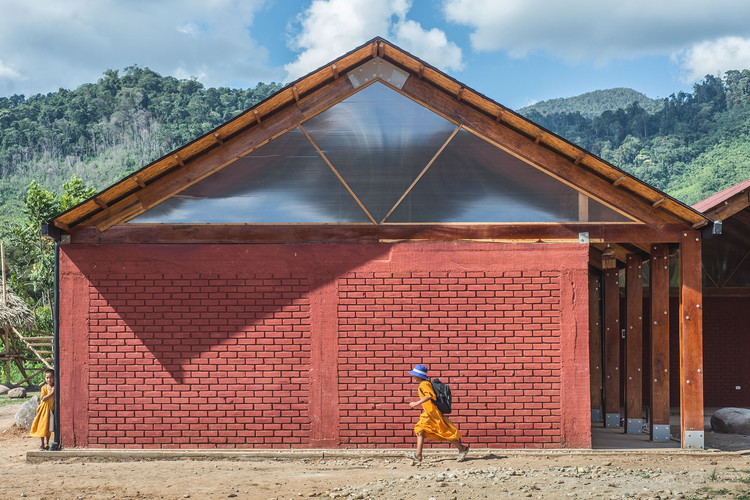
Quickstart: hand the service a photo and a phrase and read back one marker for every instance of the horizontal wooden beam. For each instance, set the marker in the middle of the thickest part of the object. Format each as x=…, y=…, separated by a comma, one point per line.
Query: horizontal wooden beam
x=283, y=233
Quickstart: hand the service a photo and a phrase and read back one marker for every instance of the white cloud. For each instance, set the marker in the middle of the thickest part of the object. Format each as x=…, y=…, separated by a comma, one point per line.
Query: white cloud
x=6, y=72
x=596, y=30
x=330, y=28
x=432, y=46
x=57, y=44
x=714, y=57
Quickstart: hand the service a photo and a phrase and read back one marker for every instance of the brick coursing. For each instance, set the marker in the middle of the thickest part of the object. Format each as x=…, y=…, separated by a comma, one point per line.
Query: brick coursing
x=494, y=336
x=202, y=361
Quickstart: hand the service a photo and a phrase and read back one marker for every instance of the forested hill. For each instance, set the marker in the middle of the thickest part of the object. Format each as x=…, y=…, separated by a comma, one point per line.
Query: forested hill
x=694, y=145
x=593, y=104
x=689, y=144
x=105, y=130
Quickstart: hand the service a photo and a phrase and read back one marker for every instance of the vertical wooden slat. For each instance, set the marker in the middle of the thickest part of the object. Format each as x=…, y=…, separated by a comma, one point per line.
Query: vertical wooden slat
x=659, y=292
x=595, y=345
x=691, y=341
x=612, y=348
x=634, y=345
x=583, y=208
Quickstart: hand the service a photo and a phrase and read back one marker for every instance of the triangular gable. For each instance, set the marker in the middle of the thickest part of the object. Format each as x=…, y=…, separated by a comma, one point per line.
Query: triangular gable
x=378, y=157
x=379, y=60
x=726, y=260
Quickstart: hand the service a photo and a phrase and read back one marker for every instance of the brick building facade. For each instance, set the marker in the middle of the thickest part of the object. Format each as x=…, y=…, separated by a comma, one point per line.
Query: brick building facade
x=269, y=284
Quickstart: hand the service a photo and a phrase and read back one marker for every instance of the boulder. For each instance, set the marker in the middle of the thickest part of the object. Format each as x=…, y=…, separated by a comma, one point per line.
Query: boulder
x=731, y=421
x=18, y=392
x=3, y=389
x=25, y=415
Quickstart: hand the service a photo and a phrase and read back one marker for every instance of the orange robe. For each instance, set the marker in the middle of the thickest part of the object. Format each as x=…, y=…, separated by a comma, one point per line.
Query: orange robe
x=40, y=426
x=434, y=424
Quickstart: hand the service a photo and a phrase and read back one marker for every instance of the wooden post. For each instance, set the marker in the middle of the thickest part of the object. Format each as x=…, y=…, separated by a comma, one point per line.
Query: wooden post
x=611, y=291
x=691, y=341
x=659, y=290
x=2, y=264
x=634, y=345
x=7, y=343
x=595, y=346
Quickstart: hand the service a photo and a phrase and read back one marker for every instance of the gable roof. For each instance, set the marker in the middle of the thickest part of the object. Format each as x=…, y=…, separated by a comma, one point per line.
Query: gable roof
x=726, y=203
x=331, y=83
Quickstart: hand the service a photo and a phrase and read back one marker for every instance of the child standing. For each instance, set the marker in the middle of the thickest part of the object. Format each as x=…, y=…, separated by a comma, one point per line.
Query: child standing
x=432, y=423
x=43, y=424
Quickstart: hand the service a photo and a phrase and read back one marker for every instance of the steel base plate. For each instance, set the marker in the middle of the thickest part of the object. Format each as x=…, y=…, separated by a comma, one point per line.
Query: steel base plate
x=612, y=420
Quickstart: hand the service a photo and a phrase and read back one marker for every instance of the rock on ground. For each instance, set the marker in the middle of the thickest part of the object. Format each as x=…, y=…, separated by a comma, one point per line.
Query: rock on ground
x=3, y=389
x=25, y=415
x=18, y=392
x=731, y=420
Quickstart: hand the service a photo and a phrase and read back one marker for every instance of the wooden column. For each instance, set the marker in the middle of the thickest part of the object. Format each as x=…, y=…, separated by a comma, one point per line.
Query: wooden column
x=611, y=363
x=659, y=291
x=634, y=345
x=595, y=345
x=691, y=341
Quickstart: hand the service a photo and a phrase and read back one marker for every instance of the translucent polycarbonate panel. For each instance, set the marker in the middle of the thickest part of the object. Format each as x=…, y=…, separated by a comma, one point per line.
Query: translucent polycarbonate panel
x=379, y=141
x=284, y=181
x=474, y=181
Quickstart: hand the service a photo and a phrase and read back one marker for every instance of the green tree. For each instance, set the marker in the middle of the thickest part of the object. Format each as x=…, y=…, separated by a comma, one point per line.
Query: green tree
x=33, y=271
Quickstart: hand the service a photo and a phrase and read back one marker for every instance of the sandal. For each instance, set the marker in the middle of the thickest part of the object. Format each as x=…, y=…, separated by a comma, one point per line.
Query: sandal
x=462, y=454
x=414, y=458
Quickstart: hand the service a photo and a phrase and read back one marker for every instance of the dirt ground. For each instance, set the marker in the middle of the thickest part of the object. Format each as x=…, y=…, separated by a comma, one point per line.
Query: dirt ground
x=484, y=475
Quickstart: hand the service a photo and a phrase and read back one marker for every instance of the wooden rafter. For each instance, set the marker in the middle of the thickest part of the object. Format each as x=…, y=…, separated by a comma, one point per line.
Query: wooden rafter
x=214, y=160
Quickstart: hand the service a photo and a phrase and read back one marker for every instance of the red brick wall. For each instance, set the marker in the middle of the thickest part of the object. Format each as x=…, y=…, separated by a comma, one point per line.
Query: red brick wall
x=495, y=336
x=199, y=360
x=308, y=345
x=726, y=351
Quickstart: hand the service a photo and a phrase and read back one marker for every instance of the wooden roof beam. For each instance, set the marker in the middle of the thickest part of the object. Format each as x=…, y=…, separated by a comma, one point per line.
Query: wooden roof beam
x=731, y=206
x=619, y=181
x=285, y=233
x=100, y=203
x=544, y=159
x=215, y=159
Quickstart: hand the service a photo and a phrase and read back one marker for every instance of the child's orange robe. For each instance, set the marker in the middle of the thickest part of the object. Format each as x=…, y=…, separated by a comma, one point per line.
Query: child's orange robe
x=434, y=424
x=40, y=426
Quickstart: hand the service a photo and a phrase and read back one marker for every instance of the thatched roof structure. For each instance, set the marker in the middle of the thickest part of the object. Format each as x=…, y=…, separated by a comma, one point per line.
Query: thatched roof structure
x=15, y=312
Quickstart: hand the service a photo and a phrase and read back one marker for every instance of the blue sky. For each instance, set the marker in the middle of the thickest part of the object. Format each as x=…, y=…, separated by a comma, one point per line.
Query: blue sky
x=514, y=51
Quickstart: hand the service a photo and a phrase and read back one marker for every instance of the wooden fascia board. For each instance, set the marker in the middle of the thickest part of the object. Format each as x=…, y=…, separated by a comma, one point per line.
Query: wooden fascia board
x=729, y=207
x=264, y=110
x=362, y=233
x=545, y=159
x=219, y=157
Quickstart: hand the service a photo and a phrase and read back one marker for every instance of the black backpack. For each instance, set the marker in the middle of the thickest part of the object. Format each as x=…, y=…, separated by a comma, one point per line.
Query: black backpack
x=442, y=396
